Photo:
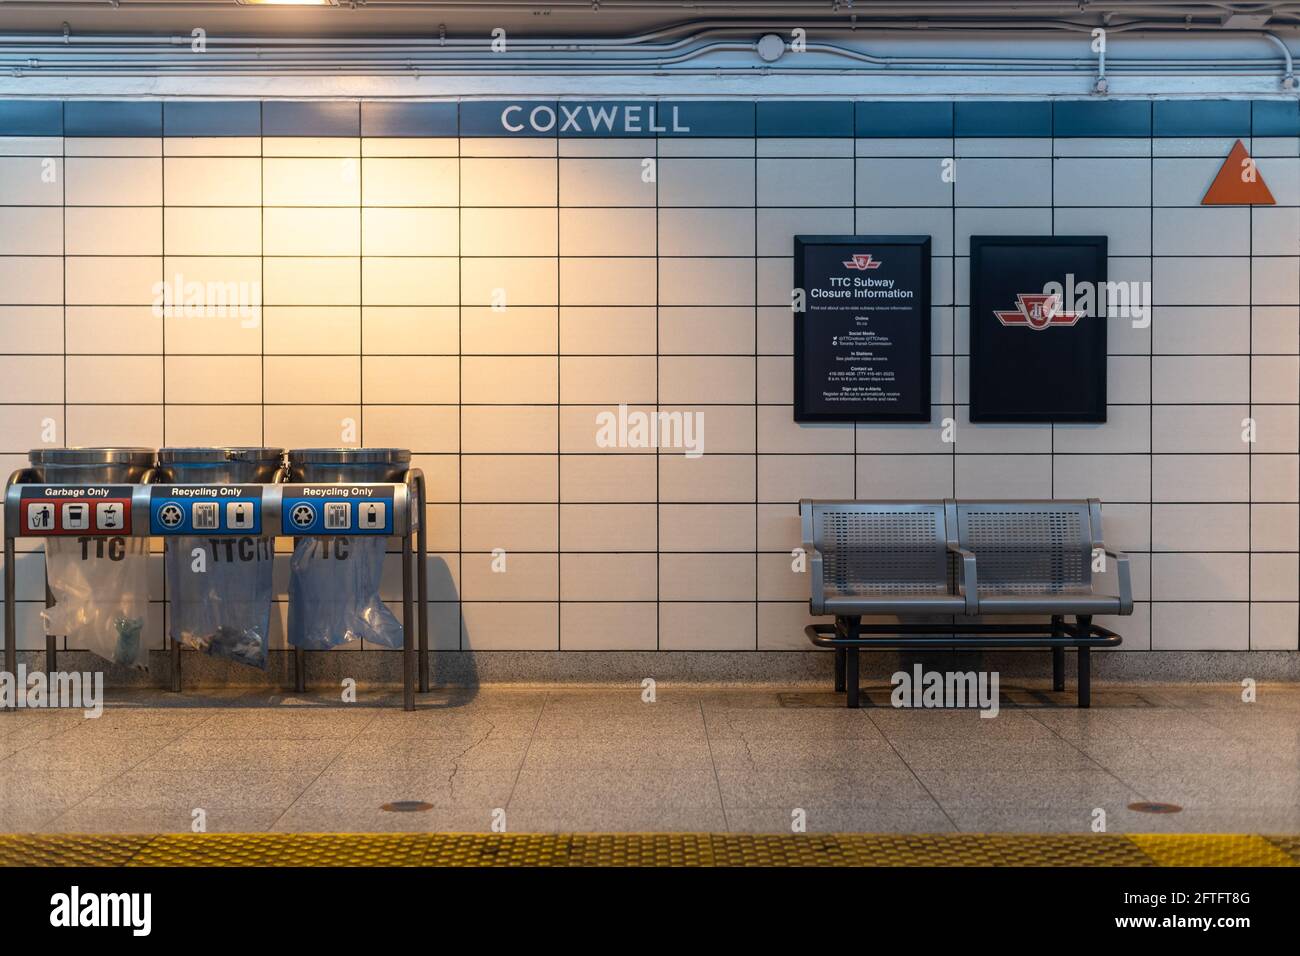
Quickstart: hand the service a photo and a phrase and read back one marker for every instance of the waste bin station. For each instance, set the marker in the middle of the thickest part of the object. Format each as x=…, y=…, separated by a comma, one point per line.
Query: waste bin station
x=104, y=494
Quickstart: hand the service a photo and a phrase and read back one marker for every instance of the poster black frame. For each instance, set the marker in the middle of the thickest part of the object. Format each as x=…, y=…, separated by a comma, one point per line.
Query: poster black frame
x=925, y=409
x=1098, y=381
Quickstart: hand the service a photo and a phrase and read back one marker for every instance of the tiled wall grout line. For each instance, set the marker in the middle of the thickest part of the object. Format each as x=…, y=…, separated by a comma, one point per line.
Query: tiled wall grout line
x=261, y=259
x=167, y=639
x=658, y=407
x=1151, y=380
x=952, y=296
x=758, y=445
x=462, y=629
x=1250, y=412
x=559, y=398
x=1051, y=430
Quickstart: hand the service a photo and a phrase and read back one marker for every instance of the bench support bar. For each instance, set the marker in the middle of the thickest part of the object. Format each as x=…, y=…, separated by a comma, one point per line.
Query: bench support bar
x=847, y=636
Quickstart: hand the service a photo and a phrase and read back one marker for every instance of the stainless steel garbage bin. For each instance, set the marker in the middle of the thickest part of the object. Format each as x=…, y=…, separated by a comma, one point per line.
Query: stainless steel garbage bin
x=349, y=464
x=76, y=466
x=228, y=466
x=75, y=607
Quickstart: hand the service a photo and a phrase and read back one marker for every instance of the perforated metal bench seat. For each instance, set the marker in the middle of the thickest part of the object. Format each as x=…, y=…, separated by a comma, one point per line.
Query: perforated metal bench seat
x=1037, y=557
x=968, y=559
x=884, y=557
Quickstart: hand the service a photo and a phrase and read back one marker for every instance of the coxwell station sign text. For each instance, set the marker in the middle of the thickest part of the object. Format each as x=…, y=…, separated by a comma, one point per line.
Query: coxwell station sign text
x=593, y=118
x=606, y=118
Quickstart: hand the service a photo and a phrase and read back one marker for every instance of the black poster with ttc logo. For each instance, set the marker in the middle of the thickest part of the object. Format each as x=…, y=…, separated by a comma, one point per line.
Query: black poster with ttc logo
x=862, y=336
x=1038, y=328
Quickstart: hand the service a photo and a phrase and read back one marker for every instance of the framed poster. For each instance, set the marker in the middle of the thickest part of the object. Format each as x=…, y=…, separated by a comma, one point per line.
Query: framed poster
x=862, y=339
x=1038, y=328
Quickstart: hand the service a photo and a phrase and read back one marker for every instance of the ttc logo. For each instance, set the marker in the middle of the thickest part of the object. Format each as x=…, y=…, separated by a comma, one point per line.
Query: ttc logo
x=1038, y=310
x=862, y=261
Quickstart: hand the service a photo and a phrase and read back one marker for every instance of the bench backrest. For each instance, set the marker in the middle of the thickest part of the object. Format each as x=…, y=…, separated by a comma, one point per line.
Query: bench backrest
x=880, y=547
x=1031, y=546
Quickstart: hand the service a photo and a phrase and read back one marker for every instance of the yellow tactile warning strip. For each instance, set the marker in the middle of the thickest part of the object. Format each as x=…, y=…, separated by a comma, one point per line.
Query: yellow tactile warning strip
x=70, y=850
x=648, y=849
x=1213, y=849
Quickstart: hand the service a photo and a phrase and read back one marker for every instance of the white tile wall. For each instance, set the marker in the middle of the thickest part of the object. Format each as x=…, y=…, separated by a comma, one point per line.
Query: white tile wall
x=482, y=301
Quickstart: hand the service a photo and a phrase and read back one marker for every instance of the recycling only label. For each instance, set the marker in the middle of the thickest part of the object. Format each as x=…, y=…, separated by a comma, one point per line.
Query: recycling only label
x=205, y=509
x=336, y=510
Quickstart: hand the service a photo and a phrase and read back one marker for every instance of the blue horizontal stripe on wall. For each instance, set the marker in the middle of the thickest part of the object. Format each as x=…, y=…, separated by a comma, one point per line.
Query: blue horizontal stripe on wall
x=1275, y=118
x=112, y=118
x=1002, y=119
x=31, y=118
x=225, y=118
x=924, y=120
x=1202, y=117
x=647, y=118
x=795, y=118
x=720, y=118
x=1101, y=118
x=408, y=119
x=311, y=118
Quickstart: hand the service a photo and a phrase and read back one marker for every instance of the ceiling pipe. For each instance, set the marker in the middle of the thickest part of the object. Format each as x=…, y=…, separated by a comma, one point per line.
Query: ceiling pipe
x=673, y=46
x=1101, y=86
x=1288, y=78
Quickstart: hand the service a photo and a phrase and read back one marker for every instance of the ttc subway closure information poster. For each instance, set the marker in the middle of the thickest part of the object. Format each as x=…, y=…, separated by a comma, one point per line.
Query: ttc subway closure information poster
x=862, y=338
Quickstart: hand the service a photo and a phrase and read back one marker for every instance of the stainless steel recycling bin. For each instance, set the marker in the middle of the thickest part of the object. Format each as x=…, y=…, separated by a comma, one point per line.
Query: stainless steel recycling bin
x=77, y=466
x=224, y=611
x=349, y=464
x=229, y=466
x=321, y=607
x=334, y=582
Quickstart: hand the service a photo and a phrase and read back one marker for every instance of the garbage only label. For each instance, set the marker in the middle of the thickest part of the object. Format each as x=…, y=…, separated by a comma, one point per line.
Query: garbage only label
x=75, y=510
x=337, y=509
x=205, y=509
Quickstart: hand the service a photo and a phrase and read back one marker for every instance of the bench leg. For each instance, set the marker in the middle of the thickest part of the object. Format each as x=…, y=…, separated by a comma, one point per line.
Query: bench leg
x=1058, y=654
x=851, y=675
x=1083, y=622
x=1085, y=678
x=846, y=627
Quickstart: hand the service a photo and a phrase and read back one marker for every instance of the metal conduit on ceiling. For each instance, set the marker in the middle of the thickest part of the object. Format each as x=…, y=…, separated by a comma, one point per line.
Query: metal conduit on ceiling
x=837, y=43
x=118, y=55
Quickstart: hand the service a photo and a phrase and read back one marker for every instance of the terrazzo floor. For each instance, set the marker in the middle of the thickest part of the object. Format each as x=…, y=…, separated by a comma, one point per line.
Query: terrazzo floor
x=756, y=759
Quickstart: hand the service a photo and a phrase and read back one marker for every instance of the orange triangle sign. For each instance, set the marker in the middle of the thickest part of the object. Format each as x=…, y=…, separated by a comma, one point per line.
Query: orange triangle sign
x=1238, y=183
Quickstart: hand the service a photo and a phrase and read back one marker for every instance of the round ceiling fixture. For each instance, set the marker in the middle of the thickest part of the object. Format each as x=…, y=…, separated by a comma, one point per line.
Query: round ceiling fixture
x=770, y=48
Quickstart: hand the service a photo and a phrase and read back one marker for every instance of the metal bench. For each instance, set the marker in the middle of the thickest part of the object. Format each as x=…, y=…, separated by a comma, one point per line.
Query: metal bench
x=959, y=559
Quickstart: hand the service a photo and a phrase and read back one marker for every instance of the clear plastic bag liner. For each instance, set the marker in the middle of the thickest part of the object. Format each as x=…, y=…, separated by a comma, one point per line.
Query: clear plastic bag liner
x=220, y=595
x=101, y=596
x=334, y=594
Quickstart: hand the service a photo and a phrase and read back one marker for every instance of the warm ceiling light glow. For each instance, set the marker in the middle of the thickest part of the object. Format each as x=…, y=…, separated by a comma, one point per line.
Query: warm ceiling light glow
x=288, y=3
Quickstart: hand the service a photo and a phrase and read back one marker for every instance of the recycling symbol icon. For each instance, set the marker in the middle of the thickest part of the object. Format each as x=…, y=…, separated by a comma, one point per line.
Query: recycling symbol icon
x=171, y=515
x=303, y=515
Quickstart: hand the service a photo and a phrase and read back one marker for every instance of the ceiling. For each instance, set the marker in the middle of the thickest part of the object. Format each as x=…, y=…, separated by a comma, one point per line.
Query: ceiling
x=608, y=18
